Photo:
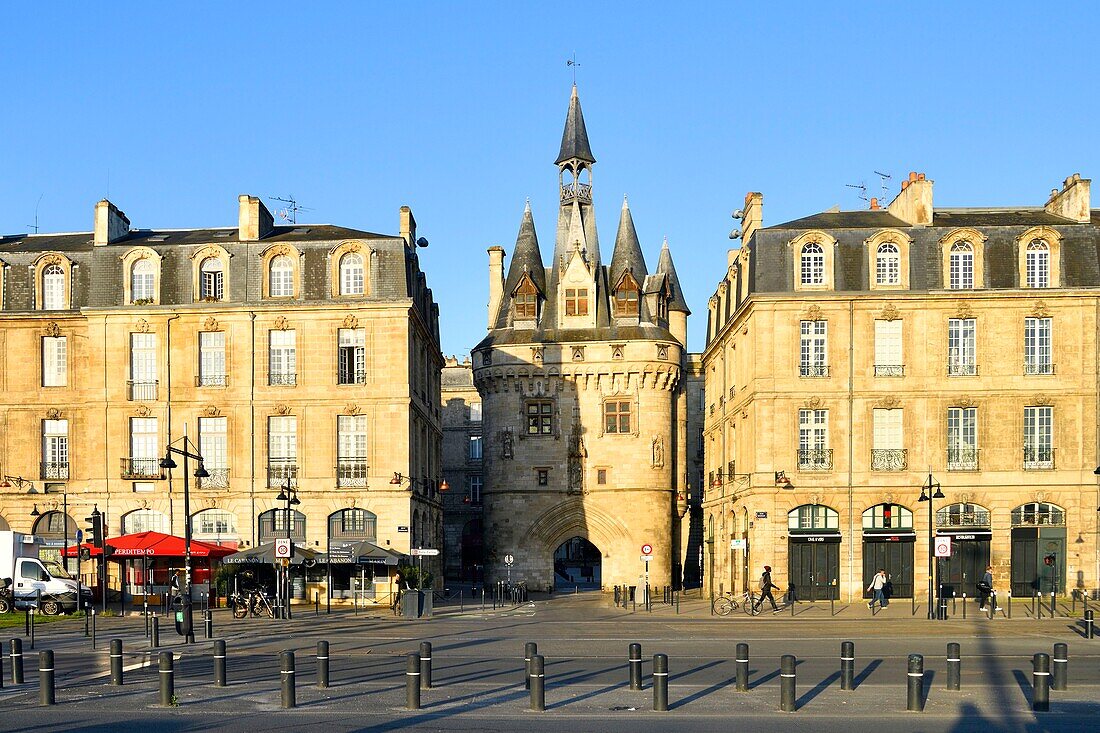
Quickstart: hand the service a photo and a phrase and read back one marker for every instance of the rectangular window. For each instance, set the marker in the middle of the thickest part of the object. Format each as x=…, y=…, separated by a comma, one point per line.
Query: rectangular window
x=351, y=450
x=961, y=263
x=212, y=359
x=888, y=361
x=145, y=448
x=213, y=442
x=282, y=358
x=55, y=449
x=601, y=476
x=143, y=366
x=813, y=441
x=55, y=361
x=962, y=359
x=526, y=306
x=1038, y=357
x=352, y=357
x=887, y=447
x=1038, y=438
x=475, y=447
x=576, y=301
x=616, y=415
x=475, y=412
x=476, y=483
x=282, y=449
x=539, y=418
x=1037, y=264
x=962, y=439
x=543, y=476
x=814, y=347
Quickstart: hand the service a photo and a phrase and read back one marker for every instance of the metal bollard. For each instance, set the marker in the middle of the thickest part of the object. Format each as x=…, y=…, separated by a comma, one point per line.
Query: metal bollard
x=538, y=683
x=1040, y=683
x=914, y=698
x=954, y=666
x=847, y=665
x=530, y=649
x=742, y=667
x=286, y=671
x=93, y=628
x=425, y=665
x=46, y=678
x=787, y=683
x=116, y=661
x=1, y=665
x=964, y=606
x=660, y=682
x=1088, y=624
x=322, y=664
x=1060, y=678
x=17, y=661
x=154, y=640
x=412, y=681
x=209, y=623
x=634, y=662
x=167, y=679
x=219, y=663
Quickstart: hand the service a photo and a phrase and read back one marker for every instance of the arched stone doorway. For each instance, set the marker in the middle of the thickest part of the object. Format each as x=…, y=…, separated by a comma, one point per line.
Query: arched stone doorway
x=473, y=551
x=577, y=563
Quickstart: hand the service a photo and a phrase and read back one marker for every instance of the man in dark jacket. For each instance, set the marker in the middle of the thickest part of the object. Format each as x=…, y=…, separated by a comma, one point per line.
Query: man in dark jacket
x=766, y=586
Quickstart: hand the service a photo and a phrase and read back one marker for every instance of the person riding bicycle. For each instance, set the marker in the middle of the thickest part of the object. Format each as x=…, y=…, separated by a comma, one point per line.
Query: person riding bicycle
x=766, y=586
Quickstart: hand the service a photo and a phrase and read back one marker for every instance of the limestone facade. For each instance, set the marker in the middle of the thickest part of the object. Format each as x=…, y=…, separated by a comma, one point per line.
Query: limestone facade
x=463, y=450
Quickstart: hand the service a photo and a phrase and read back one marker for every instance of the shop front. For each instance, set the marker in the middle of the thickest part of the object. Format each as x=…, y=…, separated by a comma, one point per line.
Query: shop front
x=813, y=552
x=968, y=527
x=888, y=542
x=1038, y=549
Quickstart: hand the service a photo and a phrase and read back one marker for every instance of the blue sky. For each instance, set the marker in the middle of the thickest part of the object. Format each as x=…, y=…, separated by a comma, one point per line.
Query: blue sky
x=457, y=110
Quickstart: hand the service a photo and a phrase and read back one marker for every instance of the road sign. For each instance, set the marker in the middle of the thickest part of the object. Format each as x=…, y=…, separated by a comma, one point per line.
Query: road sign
x=647, y=558
x=943, y=546
x=283, y=548
x=509, y=560
x=79, y=536
x=737, y=544
x=423, y=552
x=647, y=549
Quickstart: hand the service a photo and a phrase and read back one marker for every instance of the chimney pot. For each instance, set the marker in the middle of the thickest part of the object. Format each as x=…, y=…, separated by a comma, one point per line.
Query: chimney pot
x=920, y=176
x=874, y=203
x=912, y=175
x=904, y=185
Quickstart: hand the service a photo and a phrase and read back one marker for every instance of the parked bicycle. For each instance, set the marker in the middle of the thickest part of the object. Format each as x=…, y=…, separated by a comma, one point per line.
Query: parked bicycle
x=251, y=603
x=728, y=602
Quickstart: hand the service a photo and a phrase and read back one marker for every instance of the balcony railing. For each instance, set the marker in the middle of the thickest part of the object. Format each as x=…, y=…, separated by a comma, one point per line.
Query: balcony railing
x=1038, y=459
x=889, y=459
x=813, y=370
x=582, y=192
x=351, y=376
x=889, y=370
x=279, y=470
x=282, y=379
x=218, y=478
x=212, y=380
x=815, y=459
x=351, y=472
x=271, y=528
x=1034, y=366
x=141, y=468
x=972, y=518
x=143, y=391
x=962, y=369
x=962, y=459
x=55, y=470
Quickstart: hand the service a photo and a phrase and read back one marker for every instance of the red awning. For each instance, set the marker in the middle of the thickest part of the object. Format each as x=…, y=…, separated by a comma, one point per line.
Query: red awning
x=154, y=544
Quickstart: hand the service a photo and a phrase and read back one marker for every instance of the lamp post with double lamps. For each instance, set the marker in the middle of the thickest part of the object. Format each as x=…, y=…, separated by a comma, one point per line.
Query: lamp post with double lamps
x=188, y=450
x=289, y=496
x=929, y=492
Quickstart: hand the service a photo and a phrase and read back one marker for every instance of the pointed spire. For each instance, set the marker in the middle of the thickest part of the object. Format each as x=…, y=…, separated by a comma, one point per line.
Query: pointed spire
x=574, y=140
x=628, y=251
x=664, y=265
x=526, y=258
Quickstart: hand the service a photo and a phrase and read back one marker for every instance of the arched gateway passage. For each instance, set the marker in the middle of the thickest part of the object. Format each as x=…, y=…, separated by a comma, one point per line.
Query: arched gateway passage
x=577, y=563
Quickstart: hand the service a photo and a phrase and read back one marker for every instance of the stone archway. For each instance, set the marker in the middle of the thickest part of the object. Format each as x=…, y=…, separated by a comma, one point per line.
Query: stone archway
x=577, y=564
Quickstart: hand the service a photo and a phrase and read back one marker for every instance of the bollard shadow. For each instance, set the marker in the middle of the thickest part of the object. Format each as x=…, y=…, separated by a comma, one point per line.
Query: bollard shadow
x=860, y=678
x=1023, y=683
x=816, y=690
x=926, y=685
x=759, y=681
x=703, y=692
x=1078, y=630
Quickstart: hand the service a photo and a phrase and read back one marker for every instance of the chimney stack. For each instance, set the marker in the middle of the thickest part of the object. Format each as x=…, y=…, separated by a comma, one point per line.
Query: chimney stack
x=111, y=224
x=1072, y=202
x=496, y=283
x=254, y=221
x=408, y=226
x=753, y=217
x=913, y=204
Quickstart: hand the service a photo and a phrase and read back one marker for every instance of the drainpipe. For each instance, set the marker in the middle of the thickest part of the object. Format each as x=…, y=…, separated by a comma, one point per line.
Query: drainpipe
x=851, y=446
x=252, y=439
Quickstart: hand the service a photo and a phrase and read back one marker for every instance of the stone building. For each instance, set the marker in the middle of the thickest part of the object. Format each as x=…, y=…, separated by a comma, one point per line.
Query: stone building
x=306, y=354
x=854, y=356
x=584, y=412
x=463, y=450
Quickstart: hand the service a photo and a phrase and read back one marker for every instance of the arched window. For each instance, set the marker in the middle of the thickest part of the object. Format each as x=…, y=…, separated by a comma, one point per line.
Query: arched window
x=353, y=524
x=415, y=539
x=813, y=264
x=211, y=279
x=962, y=515
x=51, y=526
x=145, y=520
x=53, y=288
x=888, y=264
x=1037, y=514
x=351, y=274
x=1037, y=263
x=214, y=525
x=141, y=281
x=281, y=277
x=887, y=516
x=961, y=266
x=273, y=524
x=813, y=517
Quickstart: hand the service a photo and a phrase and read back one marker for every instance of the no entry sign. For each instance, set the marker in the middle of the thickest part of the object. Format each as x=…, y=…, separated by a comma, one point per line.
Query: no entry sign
x=647, y=549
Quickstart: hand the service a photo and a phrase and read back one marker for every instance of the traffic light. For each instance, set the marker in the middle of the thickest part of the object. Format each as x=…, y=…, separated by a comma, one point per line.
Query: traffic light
x=95, y=527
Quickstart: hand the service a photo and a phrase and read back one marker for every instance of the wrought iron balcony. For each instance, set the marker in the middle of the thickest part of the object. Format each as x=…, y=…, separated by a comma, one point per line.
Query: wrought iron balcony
x=1037, y=366
x=141, y=468
x=282, y=379
x=271, y=527
x=351, y=472
x=582, y=192
x=889, y=370
x=143, y=391
x=962, y=459
x=218, y=478
x=279, y=470
x=957, y=368
x=1038, y=459
x=889, y=459
x=55, y=470
x=813, y=370
x=212, y=380
x=815, y=459
x=972, y=518
x=352, y=376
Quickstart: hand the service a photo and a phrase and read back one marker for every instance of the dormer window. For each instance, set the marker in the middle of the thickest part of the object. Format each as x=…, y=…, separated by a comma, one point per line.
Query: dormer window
x=526, y=301
x=53, y=288
x=211, y=279
x=576, y=301
x=626, y=297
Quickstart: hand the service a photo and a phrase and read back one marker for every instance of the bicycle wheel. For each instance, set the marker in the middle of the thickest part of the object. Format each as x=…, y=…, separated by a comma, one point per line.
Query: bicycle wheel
x=722, y=606
x=752, y=605
x=240, y=610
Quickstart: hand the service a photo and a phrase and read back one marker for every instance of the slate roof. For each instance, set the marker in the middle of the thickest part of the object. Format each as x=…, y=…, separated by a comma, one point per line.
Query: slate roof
x=628, y=251
x=526, y=257
x=574, y=139
x=665, y=265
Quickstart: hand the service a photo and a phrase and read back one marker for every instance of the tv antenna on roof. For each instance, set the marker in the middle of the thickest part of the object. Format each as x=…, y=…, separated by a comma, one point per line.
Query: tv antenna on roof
x=290, y=213
x=862, y=189
x=35, y=225
x=884, y=177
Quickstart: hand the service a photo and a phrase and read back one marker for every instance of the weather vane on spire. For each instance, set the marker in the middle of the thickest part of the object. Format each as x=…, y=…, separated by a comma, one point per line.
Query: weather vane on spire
x=573, y=64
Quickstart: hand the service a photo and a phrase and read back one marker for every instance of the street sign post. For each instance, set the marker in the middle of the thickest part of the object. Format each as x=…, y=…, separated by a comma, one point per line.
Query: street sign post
x=283, y=548
x=943, y=546
x=423, y=552
x=509, y=560
x=647, y=555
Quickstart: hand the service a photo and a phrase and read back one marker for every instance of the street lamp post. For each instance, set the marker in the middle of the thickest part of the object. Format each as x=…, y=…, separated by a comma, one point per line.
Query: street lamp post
x=188, y=451
x=289, y=496
x=929, y=492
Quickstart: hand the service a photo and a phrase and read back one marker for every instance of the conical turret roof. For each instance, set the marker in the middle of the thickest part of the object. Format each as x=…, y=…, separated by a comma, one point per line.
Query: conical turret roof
x=628, y=251
x=574, y=140
x=665, y=266
x=526, y=258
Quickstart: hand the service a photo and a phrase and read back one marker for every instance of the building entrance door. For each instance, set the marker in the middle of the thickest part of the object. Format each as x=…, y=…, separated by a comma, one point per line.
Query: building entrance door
x=813, y=566
x=961, y=572
x=1030, y=545
x=895, y=554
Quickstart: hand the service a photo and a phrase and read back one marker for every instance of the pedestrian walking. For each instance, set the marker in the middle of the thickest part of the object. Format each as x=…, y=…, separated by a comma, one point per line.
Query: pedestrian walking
x=877, y=584
x=985, y=590
x=766, y=586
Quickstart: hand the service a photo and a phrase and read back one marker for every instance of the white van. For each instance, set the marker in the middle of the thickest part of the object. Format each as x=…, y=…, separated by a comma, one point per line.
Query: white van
x=31, y=579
